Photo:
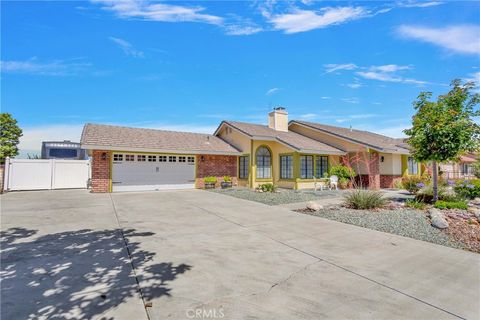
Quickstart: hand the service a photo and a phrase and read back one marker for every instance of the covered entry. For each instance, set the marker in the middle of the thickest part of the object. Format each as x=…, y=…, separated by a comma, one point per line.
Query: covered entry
x=143, y=172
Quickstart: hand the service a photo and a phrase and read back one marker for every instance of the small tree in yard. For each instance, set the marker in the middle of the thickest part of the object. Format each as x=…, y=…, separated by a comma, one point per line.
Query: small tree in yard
x=444, y=130
x=10, y=135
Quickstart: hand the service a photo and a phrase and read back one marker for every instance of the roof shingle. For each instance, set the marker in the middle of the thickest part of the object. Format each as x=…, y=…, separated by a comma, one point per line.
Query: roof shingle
x=294, y=140
x=126, y=138
x=374, y=140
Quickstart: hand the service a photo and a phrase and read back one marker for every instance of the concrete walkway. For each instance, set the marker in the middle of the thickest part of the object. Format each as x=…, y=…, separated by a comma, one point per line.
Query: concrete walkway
x=200, y=253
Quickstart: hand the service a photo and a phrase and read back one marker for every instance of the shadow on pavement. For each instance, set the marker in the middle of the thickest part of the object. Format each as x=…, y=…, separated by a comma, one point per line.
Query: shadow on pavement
x=77, y=274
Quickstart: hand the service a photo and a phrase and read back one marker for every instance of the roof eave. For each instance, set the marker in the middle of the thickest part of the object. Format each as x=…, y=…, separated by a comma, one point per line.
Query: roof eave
x=154, y=150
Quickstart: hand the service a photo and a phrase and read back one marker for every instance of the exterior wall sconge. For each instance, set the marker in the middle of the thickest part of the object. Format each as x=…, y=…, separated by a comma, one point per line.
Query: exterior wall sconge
x=382, y=159
x=104, y=156
x=202, y=158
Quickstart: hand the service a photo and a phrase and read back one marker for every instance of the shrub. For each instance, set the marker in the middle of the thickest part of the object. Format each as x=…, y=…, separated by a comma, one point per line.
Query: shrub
x=210, y=179
x=397, y=184
x=342, y=172
x=364, y=199
x=468, y=188
x=426, y=194
x=227, y=179
x=440, y=204
x=267, y=187
x=343, y=183
x=415, y=204
x=413, y=183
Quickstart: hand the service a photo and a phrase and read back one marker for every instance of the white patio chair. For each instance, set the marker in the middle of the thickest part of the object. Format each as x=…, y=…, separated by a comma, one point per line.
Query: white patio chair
x=317, y=183
x=333, y=182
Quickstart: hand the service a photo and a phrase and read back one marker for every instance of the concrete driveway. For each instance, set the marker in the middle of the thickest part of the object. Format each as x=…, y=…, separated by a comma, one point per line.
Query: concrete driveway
x=201, y=255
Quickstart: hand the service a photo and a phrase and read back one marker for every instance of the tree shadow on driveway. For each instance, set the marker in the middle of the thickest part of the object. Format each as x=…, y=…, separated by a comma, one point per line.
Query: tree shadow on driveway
x=77, y=274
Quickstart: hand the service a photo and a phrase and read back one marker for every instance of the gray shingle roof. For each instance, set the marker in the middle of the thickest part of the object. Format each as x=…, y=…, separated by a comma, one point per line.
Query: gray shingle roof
x=294, y=140
x=140, y=139
x=367, y=138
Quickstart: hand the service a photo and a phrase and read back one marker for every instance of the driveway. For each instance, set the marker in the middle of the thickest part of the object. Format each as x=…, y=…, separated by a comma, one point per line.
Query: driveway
x=202, y=255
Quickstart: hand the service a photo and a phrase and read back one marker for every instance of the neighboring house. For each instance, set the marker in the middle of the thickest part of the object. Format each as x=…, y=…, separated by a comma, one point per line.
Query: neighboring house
x=463, y=169
x=289, y=154
x=62, y=150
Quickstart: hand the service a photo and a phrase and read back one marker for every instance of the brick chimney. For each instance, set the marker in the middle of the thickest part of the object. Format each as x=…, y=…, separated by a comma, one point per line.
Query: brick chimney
x=278, y=119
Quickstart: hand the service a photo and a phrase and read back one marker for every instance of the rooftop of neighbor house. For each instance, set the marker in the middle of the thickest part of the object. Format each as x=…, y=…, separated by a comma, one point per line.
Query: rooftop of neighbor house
x=108, y=137
x=369, y=139
x=294, y=140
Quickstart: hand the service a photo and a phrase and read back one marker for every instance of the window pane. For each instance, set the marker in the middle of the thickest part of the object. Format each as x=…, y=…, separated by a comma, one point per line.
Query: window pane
x=321, y=166
x=286, y=167
x=306, y=167
x=63, y=153
x=263, y=163
x=243, y=167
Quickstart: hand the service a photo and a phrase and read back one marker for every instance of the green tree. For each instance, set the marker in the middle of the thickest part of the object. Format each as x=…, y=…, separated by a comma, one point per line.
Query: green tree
x=10, y=134
x=444, y=130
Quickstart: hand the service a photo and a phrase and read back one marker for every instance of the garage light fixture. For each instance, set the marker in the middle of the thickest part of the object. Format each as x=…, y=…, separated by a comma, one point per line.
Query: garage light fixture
x=202, y=158
x=104, y=156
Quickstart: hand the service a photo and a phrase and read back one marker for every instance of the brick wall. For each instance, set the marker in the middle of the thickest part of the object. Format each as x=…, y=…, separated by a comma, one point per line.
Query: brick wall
x=218, y=166
x=100, y=171
x=388, y=181
x=374, y=171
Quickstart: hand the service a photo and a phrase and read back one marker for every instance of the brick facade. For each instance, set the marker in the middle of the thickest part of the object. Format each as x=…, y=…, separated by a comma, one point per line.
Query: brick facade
x=218, y=166
x=388, y=181
x=100, y=171
x=374, y=171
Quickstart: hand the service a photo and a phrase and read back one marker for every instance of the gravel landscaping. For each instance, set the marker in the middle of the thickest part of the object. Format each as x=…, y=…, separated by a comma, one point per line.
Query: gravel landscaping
x=404, y=222
x=282, y=196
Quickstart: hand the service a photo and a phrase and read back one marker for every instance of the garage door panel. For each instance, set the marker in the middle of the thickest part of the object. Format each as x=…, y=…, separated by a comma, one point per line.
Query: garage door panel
x=145, y=175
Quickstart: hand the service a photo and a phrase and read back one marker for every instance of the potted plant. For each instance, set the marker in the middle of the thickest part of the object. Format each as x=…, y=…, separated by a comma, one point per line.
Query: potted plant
x=227, y=182
x=210, y=182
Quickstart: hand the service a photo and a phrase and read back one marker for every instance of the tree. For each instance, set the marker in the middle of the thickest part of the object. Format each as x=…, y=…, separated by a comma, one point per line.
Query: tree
x=444, y=130
x=10, y=134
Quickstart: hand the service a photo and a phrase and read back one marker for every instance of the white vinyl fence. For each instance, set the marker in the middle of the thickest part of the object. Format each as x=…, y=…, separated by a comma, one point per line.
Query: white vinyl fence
x=38, y=174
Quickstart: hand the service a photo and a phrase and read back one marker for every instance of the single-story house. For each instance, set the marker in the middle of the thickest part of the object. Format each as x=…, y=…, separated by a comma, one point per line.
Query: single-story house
x=462, y=169
x=290, y=154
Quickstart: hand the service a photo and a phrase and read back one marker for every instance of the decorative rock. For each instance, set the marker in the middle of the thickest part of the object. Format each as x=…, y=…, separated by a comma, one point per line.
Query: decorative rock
x=438, y=219
x=314, y=206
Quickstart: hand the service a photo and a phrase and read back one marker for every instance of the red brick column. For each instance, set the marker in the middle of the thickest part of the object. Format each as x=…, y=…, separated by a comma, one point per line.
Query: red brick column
x=217, y=166
x=388, y=181
x=101, y=171
x=374, y=171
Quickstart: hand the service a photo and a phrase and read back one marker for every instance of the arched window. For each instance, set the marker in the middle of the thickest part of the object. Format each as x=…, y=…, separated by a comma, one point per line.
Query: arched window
x=264, y=161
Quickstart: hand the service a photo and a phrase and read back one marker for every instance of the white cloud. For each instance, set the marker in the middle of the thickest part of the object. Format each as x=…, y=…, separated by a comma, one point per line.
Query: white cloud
x=325, y=98
x=356, y=117
x=388, y=77
x=412, y=4
x=272, y=91
x=474, y=77
x=159, y=11
x=332, y=67
x=394, y=132
x=127, y=47
x=52, y=68
x=241, y=30
x=355, y=85
x=351, y=100
x=306, y=20
x=309, y=116
x=459, y=38
x=390, y=68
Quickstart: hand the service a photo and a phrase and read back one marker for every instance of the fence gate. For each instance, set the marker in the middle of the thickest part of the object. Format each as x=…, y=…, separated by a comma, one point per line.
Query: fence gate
x=36, y=174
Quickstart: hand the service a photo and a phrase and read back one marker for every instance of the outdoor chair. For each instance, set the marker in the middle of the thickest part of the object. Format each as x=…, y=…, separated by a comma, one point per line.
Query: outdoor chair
x=333, y=182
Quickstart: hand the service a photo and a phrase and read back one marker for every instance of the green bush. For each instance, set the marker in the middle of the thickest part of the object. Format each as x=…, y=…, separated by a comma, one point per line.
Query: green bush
x=342, y=172
x=267, y=187
x=210, y=179
x=227, y=179
x=415, y=204
x=413, y=183
x=364, y=199
x=426, y=194
x=468, y=188
x=440, y=204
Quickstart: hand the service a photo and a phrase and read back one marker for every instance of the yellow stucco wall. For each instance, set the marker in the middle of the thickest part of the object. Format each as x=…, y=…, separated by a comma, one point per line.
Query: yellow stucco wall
x=235, y=138
x=391, y=165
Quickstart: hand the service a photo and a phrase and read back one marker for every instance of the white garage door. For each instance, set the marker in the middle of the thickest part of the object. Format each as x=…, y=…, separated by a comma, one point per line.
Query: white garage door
x=139, y=172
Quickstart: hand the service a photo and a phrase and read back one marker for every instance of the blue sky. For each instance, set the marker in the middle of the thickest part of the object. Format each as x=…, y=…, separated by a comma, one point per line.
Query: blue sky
x=189, y=65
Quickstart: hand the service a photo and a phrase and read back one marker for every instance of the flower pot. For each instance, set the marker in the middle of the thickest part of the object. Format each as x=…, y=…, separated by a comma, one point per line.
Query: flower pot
x=226, y=184
x=210, y=185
